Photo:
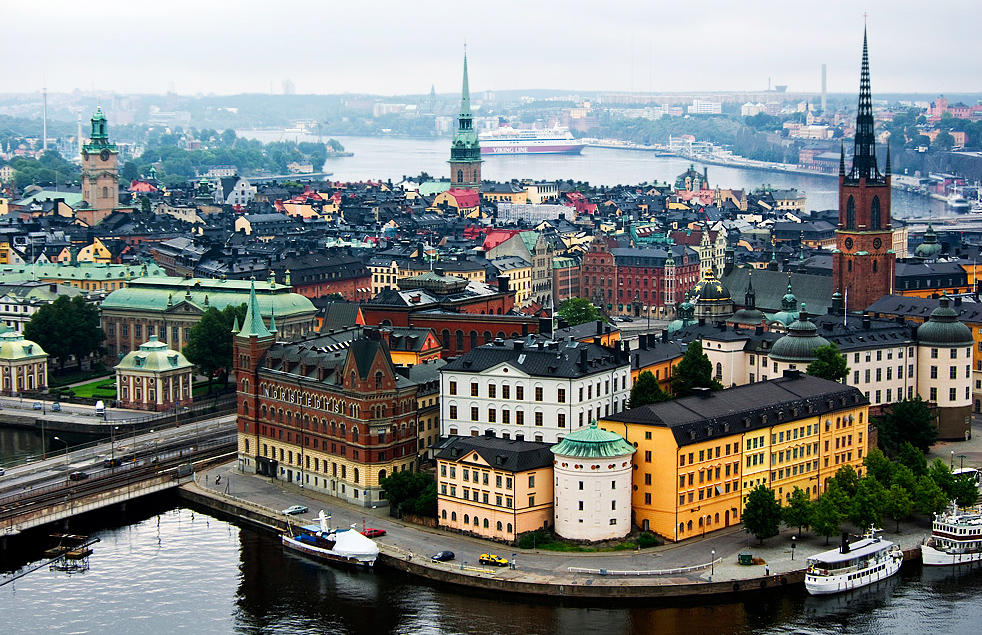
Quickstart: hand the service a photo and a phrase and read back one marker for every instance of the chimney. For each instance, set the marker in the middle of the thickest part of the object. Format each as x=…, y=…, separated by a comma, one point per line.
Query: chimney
x=519, y=345
x=702, y=321
x=386, y=336
x=503, y=284
x=866, y=322
x=664, y=336
x=792, y=374
x=759, y=330
x=643, y=341
x=637, y=360
x=600, y=327
x=53, y=287
x=597, y=339
x=525, y=329
x=583, y=358
x=438, y=271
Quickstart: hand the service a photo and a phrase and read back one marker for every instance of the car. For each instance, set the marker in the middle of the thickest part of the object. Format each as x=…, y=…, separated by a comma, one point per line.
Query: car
x=112, y=462
x=627, y=318
x=371, y=532
x=490, y=558
x=295, y=510
x=78, y=476
x=56, y=407
x=37, y=405
x=442, y=556
x=2, y=471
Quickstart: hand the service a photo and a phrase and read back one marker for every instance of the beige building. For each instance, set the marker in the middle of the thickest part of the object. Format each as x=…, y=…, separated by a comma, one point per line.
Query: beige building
x=23, y=365
x=154, y=377
x=519, y=274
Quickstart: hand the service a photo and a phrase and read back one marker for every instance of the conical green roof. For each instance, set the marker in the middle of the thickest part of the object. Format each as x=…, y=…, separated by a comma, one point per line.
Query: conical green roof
x=253, y=325
x=593, y=442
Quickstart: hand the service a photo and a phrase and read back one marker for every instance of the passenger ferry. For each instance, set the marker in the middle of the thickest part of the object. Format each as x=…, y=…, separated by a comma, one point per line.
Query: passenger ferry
x=852, y=565
x=508, y=140
x=956, y=538
x=345, y=546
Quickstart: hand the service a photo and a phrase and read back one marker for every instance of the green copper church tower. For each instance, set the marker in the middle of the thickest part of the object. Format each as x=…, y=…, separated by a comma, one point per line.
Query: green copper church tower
x=465, y=151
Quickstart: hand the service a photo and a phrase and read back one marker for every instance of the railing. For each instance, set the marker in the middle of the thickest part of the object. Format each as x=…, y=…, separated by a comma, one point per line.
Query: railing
x=650, y=572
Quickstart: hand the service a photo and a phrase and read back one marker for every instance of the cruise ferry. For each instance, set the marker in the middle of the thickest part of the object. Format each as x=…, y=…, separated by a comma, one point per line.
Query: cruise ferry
x=852, y=565
x=345, y=546
x=957, y=202
x=956, y=538
x=508, y=140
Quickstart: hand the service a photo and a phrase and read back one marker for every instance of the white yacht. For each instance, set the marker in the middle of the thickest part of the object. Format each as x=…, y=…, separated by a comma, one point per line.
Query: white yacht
x=852, y=565
x=956, y=538
x=319, y=541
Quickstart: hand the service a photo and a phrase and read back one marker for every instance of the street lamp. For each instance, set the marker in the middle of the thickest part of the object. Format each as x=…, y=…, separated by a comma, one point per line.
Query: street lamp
x=712, y=564
x=794, y=543
x=961, y=459
x=66, y=446
x=951, y=463
x=112, y=444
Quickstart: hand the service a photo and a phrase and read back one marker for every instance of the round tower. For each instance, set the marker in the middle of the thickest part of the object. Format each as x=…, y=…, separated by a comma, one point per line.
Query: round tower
x=944, y=370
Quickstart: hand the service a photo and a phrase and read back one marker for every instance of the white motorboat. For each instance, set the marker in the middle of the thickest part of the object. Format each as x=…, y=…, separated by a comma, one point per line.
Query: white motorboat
x=852, y=565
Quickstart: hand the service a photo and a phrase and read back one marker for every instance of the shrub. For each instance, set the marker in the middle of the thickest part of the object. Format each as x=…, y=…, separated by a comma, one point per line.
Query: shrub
x=647, y=539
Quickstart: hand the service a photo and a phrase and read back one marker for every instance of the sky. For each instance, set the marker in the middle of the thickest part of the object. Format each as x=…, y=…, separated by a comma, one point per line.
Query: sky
x=403, y=47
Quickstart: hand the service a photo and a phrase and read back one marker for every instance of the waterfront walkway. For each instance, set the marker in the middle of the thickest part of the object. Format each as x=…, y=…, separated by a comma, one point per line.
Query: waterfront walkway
x=780, y=564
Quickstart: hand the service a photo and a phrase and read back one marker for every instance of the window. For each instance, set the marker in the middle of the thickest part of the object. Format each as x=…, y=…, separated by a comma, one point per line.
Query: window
x=538, y=393
x=474, y=414
x=505, y=391
x=492, y=391
x=561, y=395
x=453, y=388
x=561, y=420
x=520, y=417
x=473, y=389
x=453, y=412
x=538, y=418
x=492, y=415
x=520, y=392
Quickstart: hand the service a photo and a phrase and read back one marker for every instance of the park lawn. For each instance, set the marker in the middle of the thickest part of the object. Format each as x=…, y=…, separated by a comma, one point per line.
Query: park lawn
x=57, y=381
x=104, y=388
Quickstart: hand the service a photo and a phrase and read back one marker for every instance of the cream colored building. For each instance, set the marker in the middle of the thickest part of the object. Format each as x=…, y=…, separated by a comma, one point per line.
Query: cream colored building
x=519, y=274
x=23, y=365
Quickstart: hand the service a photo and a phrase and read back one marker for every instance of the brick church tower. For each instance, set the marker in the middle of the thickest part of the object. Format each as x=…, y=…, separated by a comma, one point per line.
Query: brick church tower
x=465, y=151
x=100, y=173
x=863, y=263
x=249, y=344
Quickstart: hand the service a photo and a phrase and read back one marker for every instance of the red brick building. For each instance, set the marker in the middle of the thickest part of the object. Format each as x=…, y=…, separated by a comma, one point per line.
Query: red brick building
x=316, y=276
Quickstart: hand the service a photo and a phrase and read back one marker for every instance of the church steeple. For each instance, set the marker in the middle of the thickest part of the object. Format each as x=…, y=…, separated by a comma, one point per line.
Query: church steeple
x=465, y=150
x=465, y=94
x=864, y=155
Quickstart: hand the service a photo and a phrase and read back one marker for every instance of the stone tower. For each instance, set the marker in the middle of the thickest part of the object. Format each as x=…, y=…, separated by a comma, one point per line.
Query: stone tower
x=100, y=173
x=465, y=151
x=863, y=262
x=249, y=344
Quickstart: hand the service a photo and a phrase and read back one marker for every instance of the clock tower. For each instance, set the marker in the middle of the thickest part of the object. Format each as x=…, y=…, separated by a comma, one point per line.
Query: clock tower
x=100, y=173
x=863, y=263
x=465, y=150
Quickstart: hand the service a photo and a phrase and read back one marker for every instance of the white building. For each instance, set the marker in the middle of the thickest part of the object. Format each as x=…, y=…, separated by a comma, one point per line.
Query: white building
x=705, y=107
x=532, y=389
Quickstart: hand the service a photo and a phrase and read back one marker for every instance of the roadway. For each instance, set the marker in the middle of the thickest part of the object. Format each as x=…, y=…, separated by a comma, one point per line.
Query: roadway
x=78, y=413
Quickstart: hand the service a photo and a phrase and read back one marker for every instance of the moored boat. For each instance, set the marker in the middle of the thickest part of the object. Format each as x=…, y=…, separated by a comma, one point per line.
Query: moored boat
x=956, y=538
x=853, y=565
x=508, y=140
x=318, y=541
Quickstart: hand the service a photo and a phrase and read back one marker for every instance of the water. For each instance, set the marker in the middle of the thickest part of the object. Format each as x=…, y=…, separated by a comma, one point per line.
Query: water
x=393, y=157
x=169, y=569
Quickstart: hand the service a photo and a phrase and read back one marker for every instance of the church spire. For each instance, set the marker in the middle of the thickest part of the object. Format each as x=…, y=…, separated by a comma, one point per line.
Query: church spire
x=864, y=155
x=842, y=159
x=253, y=325
x=465, y=91
x=750, y=297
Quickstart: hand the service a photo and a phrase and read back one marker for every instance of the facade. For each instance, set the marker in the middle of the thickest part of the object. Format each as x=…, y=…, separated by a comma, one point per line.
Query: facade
x=154, y=377
x=565, y=279
x=19, y=302
x=698, y=457
x=494, y=488
x=337, y=421
x=465, y=150
x=592, y=470
x=519, y=274
x=315, y=276
x=23, y=365
x=532, y=389
x=167, y=307
x=864, y=261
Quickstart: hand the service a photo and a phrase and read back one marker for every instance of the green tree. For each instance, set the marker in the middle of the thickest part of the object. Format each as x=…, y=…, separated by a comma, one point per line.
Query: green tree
x=826, y=514
x=964, y=491
x=693, y=371
x=66, y=327
x=646, y=390
x=904, y=477
x=798, y=511
x=129, y=171
x=899, y=504
x=847, y=480
x=578, y=311
x=943, y=141
x=209, y=344
x=866, y=508
x=879, y=466
x=941, y=474
x=829, y=364
x=762, y=514
x=912, y=458
x=929, y=498
x=411, y=492
x=910, y=420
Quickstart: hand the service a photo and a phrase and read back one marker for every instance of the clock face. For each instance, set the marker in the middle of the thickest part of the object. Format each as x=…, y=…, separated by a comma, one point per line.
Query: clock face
x=104, y=155
x=877, y=243
x=848, y=243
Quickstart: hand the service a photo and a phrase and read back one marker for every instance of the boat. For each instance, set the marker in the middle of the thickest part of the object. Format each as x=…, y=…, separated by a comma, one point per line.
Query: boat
x=957, y=201
x=956, y=538
x=508, y=140
x=853, y=565
x=345, y=546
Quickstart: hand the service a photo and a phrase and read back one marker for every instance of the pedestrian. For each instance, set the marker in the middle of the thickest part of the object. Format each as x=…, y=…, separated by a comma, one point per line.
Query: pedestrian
x=767, y=569
x=218, y=480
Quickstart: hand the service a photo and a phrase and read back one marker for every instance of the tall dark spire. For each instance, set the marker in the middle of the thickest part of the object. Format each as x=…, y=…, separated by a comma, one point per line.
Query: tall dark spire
x=864, y=154
x=842, y=159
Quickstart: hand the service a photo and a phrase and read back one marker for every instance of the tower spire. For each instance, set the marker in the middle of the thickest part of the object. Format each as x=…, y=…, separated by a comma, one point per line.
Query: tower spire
x=864, y=155
x=253, y=325
x=465, y=91
x=842, y=159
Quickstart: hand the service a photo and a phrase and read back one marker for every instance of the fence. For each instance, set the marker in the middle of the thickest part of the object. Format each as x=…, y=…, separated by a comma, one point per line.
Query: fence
x=651, y=572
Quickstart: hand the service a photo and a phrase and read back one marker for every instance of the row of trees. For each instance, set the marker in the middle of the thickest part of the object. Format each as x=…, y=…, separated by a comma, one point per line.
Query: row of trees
x=890, y=490
x=50, y=170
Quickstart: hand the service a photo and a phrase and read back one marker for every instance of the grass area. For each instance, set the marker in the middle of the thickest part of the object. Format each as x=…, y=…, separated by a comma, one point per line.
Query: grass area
x=103, y=388
x=548, y=541
x=56, y=381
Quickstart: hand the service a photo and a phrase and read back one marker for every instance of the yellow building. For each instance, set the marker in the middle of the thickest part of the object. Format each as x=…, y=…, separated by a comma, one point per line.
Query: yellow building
x=96, y=252
x=494, y=488
x=504, y=193
x=657, y=357
x=699, y=456
x=519, y=274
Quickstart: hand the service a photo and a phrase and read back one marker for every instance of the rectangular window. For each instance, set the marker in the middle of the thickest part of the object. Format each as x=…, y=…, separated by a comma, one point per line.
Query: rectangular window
x=561, y=395
x=474, y=413
x=492, y=391
x=520, y=392
x=520, y=417
x=538, y=393
x=561, y=419
x=453, y=412
x=647, y=456
x=473, y=389
x=506, y=392
x=538, y=418
x=492, y=415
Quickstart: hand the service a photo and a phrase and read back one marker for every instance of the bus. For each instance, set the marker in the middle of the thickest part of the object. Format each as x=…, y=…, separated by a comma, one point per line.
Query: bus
x=970, y=472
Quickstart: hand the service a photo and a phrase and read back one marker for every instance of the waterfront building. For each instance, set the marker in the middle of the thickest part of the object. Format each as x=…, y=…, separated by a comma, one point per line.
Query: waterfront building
x=698, y=457
x=592, y=469
x=154, y=377
x=426, y=376
x=169, y=306
x=532, y=389
x=493, y=487
x=465, y=149
x=335, y=417
x=23, y=365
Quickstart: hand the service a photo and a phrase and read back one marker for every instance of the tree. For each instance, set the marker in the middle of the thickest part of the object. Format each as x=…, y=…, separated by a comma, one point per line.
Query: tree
x=943, y=141
x=209, y=344
x=694, y=371
x=578, y=311
x=904, y=477
x=899, y=504
x=879, y=466
x=910, y=420
x=866, y=509
x=846, y=480
x=826, y=515
x=646, y=390
x=66, y=327
x=762, y=514
x=964, y=491
x=928, y=497
x=941, y=474
x=829, y=364
x=798, y=512
x=912, y=458
x=411, y=492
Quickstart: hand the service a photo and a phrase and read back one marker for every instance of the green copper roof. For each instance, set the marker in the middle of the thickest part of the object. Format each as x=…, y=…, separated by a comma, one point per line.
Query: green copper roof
x=253, y=325
x=800, y=342
x=155, y=356
x=79, y=271
x=465, y=146
x=943, y=328
x=593, y=442
x=13, y=347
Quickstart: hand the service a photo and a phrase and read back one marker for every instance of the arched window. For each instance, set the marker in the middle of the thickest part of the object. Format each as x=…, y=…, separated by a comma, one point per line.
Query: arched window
x=499, y=525
x=874, y=266
x=509, y=527
x=689, y=525
x=378, y=380
x=681, y=527
x=719, y=371
x=459, y=337
x=245, y=404
x=473, y=336
x=874, y=213
x=381, y=477
x=352, y=377
x=460, y=176
x=445, y=338
x=443, y=514
x=105, y=192
x=453, y=516
x=485, y=523
x=487, y=337
x=851, y=213
x=467, y=519
x=354, y=434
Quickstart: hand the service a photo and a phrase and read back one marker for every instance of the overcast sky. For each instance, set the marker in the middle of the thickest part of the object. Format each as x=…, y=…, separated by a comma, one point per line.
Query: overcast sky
x=393, y=47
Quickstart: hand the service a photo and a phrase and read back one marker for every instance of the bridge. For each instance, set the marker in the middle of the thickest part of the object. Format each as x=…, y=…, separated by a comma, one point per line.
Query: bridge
x=77, y=482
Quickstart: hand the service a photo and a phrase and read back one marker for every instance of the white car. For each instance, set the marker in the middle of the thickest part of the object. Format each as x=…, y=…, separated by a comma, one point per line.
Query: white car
x=295, y=510
x=2, y=471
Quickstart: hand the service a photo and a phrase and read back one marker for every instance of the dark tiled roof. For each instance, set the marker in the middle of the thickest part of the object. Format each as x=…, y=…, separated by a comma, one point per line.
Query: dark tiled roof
x=508, y=455
x=770, y=287
x=744, y=408
x=554, y=359
x=920, y=308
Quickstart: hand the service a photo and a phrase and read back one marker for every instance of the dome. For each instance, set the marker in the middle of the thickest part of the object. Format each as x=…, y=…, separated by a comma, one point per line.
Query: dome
x=153, y=355
x=942, y=328
x=929, y=249
x=799, y=344
x=747, y=316
x=592, y=442
x=686, y=315
x=14, y=347
x=710, y=290
x=789, y=307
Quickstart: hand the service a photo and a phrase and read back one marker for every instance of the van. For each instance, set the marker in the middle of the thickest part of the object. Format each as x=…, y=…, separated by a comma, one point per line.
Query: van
x=100, y=409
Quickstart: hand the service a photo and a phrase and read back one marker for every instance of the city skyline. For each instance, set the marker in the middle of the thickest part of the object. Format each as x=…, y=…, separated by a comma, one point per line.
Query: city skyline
x=392, y=50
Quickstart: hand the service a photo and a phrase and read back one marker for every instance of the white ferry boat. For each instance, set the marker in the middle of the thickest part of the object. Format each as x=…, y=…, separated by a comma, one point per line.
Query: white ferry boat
x=956, y=538
x=957, y=202
x=345, y=546
x=852, y=565
x=508, y=140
